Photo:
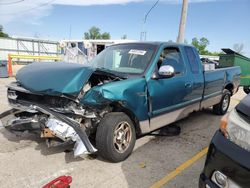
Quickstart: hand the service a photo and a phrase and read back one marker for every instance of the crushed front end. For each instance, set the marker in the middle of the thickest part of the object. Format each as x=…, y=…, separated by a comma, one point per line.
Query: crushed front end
x=46, y=99
x=57, y=119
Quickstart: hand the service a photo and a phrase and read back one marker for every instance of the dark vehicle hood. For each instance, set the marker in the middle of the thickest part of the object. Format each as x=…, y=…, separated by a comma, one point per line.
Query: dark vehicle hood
x=244, y=107
x=54, y=78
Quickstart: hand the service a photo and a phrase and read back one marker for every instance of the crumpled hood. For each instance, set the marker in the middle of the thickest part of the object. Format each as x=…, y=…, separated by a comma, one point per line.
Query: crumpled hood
x=54, y=78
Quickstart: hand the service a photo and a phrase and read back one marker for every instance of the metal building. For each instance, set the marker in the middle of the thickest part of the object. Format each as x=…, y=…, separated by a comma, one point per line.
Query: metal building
x=28, y=46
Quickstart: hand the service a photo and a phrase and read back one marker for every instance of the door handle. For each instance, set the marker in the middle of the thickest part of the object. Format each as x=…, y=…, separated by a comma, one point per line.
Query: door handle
x=188, y=84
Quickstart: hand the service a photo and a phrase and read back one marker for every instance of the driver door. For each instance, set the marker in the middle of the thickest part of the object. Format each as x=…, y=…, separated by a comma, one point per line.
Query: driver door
x=167, y=96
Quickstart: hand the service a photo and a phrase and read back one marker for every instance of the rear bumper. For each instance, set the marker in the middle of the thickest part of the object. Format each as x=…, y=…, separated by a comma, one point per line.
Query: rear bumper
x=228, y=158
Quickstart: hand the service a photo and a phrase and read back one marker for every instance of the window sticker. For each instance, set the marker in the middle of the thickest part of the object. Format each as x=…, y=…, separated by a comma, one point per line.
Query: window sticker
x=137, y=52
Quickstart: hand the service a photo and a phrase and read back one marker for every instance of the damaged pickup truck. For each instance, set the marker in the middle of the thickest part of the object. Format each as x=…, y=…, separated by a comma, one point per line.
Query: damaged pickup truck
x=127, y=91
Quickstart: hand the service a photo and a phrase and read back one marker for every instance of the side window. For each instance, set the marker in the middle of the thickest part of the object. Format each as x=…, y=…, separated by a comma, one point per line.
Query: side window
x=172, y=56
x=192, y=59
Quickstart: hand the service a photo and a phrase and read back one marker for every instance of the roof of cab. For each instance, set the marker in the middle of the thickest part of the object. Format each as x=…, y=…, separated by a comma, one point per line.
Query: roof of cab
x=157, y=43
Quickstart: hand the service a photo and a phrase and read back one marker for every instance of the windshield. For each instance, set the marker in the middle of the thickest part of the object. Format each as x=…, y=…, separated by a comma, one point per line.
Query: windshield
x=125, y=58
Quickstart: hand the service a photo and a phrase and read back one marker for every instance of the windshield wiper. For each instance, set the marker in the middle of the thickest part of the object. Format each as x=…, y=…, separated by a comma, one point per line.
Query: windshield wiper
x=111, y=72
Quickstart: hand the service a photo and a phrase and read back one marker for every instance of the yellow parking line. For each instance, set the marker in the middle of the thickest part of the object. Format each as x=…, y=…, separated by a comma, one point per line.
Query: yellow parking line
x=183, y=166
x=179, y=169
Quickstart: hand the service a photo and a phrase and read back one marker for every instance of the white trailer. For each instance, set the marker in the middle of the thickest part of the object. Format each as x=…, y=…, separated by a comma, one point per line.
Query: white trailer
x=82, y=51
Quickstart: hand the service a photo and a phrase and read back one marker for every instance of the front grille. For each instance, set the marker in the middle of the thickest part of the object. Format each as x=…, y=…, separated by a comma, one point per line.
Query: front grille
x=51, y=101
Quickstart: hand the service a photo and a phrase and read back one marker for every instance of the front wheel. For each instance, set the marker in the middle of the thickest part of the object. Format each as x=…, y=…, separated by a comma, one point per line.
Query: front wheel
x=115, y=137
x=222, y=107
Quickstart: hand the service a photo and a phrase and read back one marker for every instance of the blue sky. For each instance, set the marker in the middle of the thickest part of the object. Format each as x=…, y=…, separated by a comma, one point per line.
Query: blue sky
x=223, y=22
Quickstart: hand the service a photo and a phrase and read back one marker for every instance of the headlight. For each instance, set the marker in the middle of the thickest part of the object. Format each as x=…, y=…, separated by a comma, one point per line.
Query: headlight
x=236, y=129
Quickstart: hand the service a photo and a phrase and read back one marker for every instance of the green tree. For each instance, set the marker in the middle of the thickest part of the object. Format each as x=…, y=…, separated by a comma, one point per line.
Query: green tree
x=201, y=45
x=124, y=37
x=2, y=34
x=95, y=33
x=105, y=35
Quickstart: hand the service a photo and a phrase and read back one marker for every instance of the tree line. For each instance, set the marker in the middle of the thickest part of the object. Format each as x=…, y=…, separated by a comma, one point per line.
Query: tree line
x=95, y=33
x=2, y=33
x=201, y=44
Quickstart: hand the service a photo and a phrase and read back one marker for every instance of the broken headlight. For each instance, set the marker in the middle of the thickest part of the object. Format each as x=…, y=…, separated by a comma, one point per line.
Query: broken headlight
x=236, y=129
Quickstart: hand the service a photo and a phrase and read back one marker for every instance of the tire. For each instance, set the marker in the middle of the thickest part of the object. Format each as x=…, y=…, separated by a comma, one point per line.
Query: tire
x=222, y=107
x=246, y=89
x=115, y=137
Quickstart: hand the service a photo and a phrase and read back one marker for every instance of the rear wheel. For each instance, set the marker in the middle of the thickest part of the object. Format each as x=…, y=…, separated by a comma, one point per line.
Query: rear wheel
x=115, y=137
x=222, y=107
x=246, y=89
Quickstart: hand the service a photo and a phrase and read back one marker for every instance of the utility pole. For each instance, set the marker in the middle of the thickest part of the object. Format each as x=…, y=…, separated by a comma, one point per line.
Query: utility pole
x=69, y=31
x=143, y=35
x=182, y=26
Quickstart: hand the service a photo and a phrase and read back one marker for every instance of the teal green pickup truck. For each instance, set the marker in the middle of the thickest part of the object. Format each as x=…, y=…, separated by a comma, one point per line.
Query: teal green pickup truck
x=127, y=91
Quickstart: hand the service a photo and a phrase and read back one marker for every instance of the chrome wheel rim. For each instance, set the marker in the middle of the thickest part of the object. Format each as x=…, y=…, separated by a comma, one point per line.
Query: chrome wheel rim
x=225, y=103
x=122, y=137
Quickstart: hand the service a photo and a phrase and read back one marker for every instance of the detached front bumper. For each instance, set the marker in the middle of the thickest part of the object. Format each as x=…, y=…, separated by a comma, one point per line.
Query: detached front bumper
x=229, y=159
x=58, y=122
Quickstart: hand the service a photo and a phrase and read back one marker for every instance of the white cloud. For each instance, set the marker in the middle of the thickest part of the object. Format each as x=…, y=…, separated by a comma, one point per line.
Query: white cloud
x=32, y=11
x=24, y=11
x=93, y=2
x=106, y=2
x=190, y=1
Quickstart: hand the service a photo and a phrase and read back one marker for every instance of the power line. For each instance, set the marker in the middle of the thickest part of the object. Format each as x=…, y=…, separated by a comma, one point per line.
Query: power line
x=146, y=15
x=11, y=3
x=143, y=35
x=30, y=9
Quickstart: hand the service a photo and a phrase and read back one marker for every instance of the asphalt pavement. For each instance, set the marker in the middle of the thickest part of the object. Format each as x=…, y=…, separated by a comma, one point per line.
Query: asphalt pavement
x=25, y=160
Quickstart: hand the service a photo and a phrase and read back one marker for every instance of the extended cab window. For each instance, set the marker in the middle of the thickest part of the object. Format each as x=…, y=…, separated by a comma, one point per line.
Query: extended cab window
x=172, y=56
x=192, y=59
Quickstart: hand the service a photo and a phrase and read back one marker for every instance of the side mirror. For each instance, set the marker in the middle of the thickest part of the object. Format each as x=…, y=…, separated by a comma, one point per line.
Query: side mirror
x=166, y=71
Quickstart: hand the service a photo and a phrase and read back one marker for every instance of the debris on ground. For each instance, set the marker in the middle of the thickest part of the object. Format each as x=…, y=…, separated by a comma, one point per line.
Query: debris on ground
x=60, y=182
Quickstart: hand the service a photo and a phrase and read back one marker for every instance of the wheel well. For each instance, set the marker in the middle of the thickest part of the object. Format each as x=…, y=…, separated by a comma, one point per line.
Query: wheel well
x=119, y=108
x=230, y=87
